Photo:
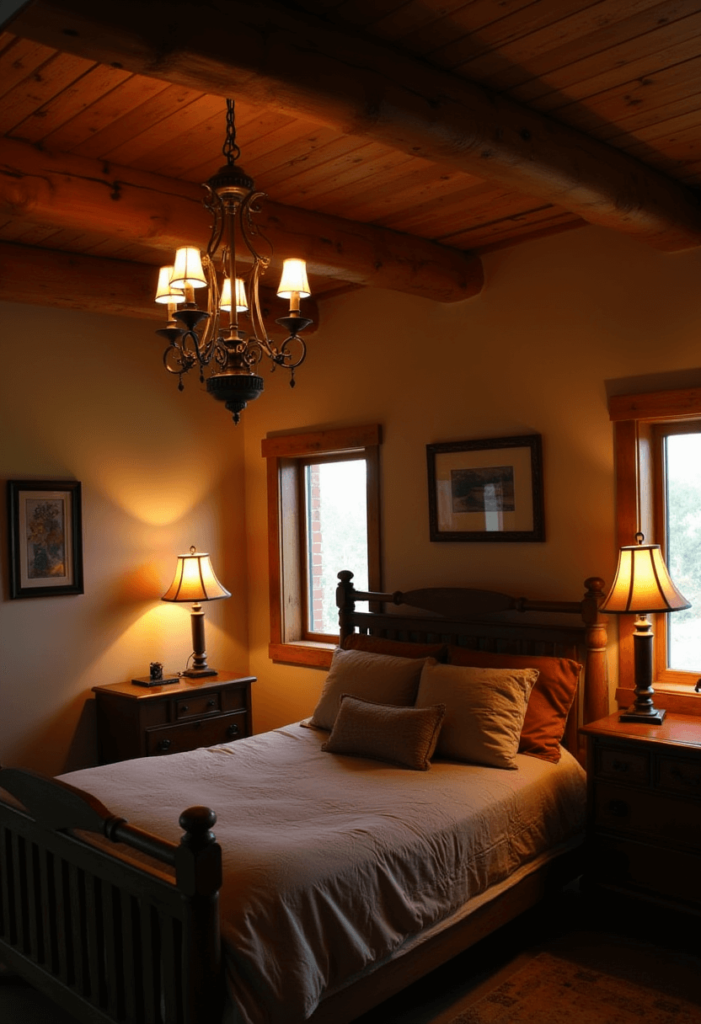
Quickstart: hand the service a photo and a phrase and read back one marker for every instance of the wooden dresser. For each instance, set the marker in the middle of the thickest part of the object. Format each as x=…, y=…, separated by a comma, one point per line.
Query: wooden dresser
x=644, y=808
x=137, y=721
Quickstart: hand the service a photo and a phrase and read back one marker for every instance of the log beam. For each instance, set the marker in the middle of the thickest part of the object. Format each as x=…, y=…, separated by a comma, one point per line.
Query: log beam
x=164, y=213
x=66, y=280
x=298, y=64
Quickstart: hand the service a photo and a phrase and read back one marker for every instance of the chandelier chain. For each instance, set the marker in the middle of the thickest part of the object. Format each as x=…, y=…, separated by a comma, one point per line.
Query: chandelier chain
x=230, y=150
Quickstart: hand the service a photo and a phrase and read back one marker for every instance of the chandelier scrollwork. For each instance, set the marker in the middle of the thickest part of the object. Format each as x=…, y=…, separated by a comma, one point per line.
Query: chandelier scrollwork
x=216, y=340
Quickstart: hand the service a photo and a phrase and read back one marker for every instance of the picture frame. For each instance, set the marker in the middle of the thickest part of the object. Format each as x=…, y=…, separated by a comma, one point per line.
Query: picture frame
x=45, y=538
x=488, y=490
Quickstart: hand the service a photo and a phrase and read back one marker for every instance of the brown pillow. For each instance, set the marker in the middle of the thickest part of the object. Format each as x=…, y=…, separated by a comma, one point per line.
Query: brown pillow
x=400, y=736
x=484, y=711
x=397, y=648
x=376, y=677
x=549, y=703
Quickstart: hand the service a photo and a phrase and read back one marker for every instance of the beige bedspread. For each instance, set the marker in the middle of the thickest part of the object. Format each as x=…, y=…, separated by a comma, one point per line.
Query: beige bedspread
x=332, y=862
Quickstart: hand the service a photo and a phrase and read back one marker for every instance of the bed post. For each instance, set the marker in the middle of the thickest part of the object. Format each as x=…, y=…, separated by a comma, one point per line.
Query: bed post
x=345, y=600
x=198, y=873
x=596, y=694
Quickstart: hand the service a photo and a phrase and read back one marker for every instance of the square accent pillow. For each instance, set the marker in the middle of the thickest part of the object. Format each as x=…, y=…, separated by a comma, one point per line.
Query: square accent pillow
x=397, y=648
x=401, y=736
x=378, y=677
x=484, y=711
x=550, y=701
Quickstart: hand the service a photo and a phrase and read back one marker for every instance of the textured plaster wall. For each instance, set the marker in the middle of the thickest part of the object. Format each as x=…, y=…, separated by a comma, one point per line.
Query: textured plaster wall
x=85, y=397
x=560, y=322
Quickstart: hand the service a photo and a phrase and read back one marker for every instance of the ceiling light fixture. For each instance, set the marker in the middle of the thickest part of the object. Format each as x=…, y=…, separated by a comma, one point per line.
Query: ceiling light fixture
x=229, y=338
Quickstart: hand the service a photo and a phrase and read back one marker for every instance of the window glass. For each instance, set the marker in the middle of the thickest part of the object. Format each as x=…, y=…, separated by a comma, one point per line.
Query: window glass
x=336, y=535
x=683, y=518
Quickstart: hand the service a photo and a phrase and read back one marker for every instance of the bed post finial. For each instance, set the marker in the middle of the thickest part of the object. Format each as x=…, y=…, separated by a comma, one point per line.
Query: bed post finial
x=345, y=601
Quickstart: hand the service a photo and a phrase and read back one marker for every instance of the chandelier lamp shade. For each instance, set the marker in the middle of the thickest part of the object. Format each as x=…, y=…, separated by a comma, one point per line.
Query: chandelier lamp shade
x=642, y=586
x=195, y=581
x=226, y=340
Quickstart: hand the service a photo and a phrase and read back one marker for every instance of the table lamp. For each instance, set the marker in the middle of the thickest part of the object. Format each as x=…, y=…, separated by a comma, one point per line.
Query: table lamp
x=642, y=585
x=195, y=581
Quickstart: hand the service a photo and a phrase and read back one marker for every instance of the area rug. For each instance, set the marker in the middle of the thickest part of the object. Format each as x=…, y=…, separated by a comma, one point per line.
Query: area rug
x=549, y=990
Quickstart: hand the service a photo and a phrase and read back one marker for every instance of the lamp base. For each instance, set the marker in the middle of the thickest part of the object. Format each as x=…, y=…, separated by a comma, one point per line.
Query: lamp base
x=653, y=716
x=195, y=673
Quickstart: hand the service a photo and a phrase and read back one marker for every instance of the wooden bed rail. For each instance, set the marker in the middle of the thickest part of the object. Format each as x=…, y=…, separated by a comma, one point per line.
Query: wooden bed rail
x=86, y=929
x=461, y=614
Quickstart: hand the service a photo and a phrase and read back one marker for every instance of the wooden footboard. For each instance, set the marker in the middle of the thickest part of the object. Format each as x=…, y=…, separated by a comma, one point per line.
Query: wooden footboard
x=107, y=938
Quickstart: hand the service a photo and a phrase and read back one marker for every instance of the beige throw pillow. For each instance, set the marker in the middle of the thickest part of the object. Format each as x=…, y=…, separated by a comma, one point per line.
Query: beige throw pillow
x=378, y=677
x=400, y=736
x=485, y=709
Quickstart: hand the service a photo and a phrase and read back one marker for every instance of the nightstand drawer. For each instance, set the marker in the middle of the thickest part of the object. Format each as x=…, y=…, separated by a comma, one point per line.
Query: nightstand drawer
x=679, y=775
x=174, y=739
x=624, y=765
x=196, y=706
x=645, y=812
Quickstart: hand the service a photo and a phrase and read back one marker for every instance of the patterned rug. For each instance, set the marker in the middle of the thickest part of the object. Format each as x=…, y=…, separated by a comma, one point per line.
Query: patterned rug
x=554, y=991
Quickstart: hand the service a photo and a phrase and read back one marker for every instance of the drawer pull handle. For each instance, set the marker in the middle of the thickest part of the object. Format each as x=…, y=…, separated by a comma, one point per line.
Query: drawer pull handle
x=184, y=708
x=232, y=731
x=688, y=780
x=211, y=703
x=620, y=766
x=618, y=808
x=164, y=746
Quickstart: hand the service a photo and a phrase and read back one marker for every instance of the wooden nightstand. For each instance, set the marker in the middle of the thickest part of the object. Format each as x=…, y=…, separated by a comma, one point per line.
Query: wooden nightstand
x=644, y=808
x=136, y=721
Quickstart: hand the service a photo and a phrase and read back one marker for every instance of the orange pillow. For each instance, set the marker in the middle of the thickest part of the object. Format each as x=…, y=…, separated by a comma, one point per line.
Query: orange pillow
x=550, y=700
x=395, y=648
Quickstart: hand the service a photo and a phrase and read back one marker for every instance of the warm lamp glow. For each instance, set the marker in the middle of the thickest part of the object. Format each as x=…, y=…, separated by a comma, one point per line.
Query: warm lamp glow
x=165, y=292
x=293, y=282
x=642, y=583
x=187, y=271
x=241, y=300
x=195, y=580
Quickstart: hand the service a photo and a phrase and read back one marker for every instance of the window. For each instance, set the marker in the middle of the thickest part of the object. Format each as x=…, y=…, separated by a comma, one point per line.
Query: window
x=323, y=516
x=658, y=477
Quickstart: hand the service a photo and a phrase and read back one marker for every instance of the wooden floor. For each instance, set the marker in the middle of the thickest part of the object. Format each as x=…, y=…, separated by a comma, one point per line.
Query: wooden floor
x=654, y=948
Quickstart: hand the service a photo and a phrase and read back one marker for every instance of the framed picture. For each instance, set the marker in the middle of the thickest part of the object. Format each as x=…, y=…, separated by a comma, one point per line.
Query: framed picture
x=486, y=490
x=46, y=538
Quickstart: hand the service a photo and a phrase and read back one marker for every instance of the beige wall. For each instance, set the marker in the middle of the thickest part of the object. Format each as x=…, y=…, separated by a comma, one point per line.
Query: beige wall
x=85, y=397
x=557, y=320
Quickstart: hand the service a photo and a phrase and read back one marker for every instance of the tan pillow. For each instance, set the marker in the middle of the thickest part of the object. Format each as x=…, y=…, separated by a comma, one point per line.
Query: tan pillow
x=398, y=648
x=401, y=736
x=377, y=677
x=550, y=701
x=485, y=708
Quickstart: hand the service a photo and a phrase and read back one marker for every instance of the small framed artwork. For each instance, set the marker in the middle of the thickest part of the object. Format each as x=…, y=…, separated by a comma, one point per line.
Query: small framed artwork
x=486, y=490
x=46, y=538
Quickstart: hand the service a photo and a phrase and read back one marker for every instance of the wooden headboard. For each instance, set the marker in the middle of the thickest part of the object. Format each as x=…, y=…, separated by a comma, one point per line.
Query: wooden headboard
x=489, y=621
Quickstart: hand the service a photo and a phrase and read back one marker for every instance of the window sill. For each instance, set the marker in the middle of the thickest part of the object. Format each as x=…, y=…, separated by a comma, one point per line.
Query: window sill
x=303, y=652
x=676, y=697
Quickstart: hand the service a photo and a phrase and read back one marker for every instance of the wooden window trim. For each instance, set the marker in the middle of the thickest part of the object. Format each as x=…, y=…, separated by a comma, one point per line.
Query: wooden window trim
x=635, y=418
x=284, y=453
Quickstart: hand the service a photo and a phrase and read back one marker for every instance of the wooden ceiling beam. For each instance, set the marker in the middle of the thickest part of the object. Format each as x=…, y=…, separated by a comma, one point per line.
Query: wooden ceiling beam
x=163, y=213
x=67, y=280
x=295, y=63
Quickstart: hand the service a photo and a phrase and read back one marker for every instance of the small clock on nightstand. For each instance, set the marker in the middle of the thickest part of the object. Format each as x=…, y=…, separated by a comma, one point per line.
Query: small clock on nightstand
x=133, y=721
x=644, y=808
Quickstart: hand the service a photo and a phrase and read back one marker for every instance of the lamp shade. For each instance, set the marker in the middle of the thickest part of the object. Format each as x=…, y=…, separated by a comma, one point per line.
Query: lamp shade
x=165, y=292
x=187, y=270
x=241, y=300
x=642, y=583
x=195, y=580
x=294, y=279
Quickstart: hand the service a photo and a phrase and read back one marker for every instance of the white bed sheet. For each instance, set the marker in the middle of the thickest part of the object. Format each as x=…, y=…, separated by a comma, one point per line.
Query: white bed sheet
x=333, y=863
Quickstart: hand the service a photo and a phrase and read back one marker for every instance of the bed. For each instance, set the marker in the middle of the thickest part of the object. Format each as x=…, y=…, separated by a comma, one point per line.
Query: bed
x=128, y=920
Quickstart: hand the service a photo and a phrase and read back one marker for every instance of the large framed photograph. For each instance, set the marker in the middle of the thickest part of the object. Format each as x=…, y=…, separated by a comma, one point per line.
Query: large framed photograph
x=46, y=538
x=486, y=490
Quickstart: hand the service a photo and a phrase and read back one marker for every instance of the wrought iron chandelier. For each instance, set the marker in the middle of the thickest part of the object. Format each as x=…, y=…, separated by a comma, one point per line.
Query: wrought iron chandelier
x=228, y=338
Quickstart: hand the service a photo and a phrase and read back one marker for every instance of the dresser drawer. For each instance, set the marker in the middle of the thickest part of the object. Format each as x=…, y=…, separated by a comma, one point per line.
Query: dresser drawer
x=679, y=775
x=646, y=812
x=623, y=764
x=174, y=739
x=197, y=705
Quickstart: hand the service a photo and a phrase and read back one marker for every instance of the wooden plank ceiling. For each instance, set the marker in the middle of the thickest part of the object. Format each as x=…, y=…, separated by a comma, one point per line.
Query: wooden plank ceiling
x=397, y=139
